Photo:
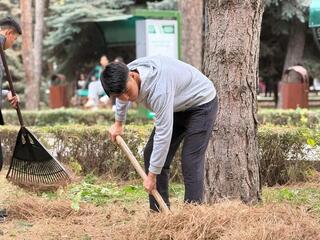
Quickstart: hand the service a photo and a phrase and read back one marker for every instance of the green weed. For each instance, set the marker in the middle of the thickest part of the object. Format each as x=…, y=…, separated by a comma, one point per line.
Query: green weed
x=308, y=197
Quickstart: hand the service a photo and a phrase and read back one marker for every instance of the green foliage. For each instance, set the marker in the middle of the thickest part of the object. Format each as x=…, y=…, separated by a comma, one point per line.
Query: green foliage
x=275, y=30
x=73, y=40
x=286, y=10
x=285, y=154
x=163, y=5
x=89, y=147
x=311, y=61
x=298, y=117
x=75, y=166
x=87, y=192
x=283, y=151
x=301, y=172
x=70, y=116
x=96, y=191
x=308, y=197
x=104, y=193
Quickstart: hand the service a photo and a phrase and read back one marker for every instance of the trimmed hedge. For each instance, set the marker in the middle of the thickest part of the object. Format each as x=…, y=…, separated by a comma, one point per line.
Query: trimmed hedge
x=299, y=117
x=70, y=116
x=287, y=153
x=87, y=149
x=84, y=149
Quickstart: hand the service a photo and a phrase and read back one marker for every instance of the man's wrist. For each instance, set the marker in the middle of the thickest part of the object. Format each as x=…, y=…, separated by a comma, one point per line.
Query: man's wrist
x=118, y=123
x=152, y=175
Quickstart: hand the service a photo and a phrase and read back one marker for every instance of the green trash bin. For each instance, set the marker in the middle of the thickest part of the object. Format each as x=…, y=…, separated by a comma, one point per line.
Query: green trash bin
x=143, y=112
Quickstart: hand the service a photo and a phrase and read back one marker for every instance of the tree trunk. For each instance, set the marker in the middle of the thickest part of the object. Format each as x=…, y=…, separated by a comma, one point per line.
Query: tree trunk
x=294, y=55
x=38, y=42
x=27, y=46
x=192, y=25
x=231, y=53
x=296, y=44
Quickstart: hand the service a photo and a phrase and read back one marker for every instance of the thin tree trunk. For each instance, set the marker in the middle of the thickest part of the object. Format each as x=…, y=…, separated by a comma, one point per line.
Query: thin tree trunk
x=296, y=44
x=27, y=47
x=38, y=42
x=231, y=54
x=295, y=51
x=192, y=25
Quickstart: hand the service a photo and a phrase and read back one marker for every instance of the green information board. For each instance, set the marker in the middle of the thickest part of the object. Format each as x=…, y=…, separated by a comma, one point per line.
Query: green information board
x=314, y=14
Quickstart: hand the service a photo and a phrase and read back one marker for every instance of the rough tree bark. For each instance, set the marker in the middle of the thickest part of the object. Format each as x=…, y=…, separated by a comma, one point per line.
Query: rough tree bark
x=27, y=47
x=192, y=28
x=231, y=53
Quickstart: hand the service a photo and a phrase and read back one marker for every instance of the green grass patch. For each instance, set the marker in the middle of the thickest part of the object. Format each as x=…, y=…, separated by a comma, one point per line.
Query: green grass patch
x=308, y=197
x=92, y=190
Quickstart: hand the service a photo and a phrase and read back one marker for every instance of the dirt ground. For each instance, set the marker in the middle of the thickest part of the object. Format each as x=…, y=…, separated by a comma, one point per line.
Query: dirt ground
x=35, y=217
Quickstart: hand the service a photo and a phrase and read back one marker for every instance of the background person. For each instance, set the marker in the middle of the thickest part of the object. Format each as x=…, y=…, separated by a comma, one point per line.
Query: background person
x=95, y=89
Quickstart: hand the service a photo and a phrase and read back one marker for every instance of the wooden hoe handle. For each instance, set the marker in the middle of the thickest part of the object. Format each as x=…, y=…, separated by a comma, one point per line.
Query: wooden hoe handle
x=136, y=165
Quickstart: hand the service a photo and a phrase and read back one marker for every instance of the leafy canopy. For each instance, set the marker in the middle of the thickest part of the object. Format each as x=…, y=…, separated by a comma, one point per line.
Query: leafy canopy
x=70, y=33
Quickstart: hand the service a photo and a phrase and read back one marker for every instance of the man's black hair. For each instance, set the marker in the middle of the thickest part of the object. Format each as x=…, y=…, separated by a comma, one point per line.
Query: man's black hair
x=114, y=78
x=12, y=23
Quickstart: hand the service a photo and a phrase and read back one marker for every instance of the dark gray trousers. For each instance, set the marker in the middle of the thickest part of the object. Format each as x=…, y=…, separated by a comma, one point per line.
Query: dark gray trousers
x=194, y=126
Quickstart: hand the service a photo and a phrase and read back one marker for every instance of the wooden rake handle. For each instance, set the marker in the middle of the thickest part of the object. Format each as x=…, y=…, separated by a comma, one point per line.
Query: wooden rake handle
x=136, y=165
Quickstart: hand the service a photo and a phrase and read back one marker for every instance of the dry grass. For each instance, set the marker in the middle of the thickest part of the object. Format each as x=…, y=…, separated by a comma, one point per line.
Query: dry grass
x=32, y=217
x=224, y=221
x=228, y=221
x=32, y=208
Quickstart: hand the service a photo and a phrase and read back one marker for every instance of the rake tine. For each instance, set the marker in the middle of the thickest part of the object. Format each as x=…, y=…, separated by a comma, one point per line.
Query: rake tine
x=22, y=172
x=13, y=172
x=25, y=173
x=50, y=177
x=53, y=176
x=10, y=172
x=28, y=172
x=17, y=167
x=56, y=169
x=34, y=173
x=43, y=175
x=34, y=170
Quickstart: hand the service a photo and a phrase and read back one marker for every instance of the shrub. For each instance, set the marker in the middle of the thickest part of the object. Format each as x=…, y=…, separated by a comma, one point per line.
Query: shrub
x=70, y=116
x=88, y=147
x=283, y=151
x=299, y=117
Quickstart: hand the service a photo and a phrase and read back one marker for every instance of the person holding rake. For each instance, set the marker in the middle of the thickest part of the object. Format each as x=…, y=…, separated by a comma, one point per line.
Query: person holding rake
x=9, y=32
x=185, y=104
